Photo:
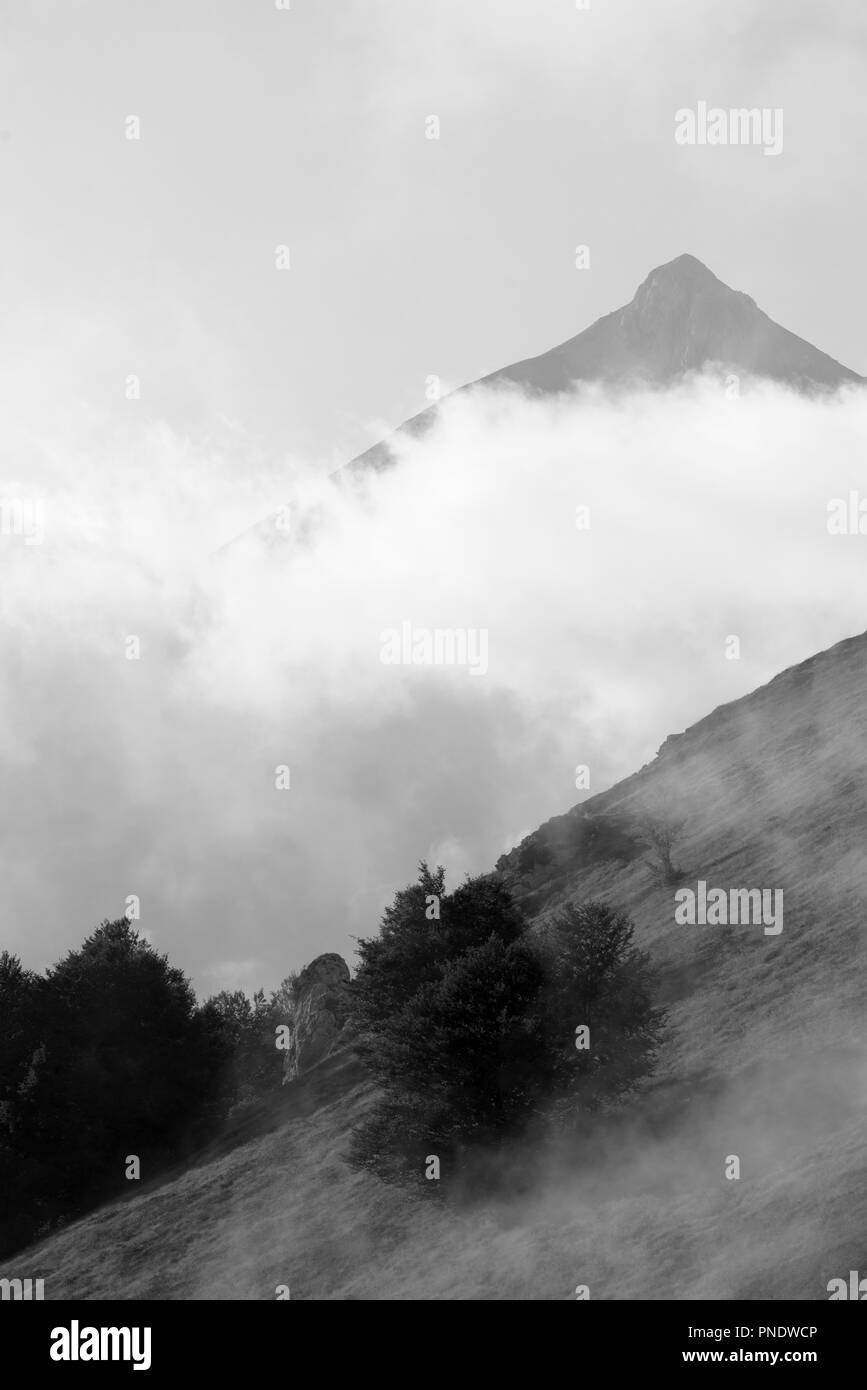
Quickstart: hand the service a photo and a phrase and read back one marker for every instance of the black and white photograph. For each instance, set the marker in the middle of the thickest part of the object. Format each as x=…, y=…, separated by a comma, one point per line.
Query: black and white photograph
x=433, y=665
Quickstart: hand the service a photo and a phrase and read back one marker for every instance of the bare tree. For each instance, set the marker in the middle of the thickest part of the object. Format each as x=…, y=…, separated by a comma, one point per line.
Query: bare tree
x=658, y=830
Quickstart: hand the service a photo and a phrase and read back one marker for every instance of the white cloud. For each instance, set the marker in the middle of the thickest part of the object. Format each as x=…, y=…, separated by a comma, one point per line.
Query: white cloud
x=157, y=776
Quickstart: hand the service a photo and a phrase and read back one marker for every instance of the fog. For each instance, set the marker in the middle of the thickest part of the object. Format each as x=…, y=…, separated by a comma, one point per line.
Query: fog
x=609, y=548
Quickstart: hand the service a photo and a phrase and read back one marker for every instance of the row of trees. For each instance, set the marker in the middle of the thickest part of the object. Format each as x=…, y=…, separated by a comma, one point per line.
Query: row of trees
x=475, y=1027
x=107, y=1055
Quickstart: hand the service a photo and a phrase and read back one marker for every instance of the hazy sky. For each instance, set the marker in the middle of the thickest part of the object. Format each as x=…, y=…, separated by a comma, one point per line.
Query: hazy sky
x=306, y=127
x=408, y=257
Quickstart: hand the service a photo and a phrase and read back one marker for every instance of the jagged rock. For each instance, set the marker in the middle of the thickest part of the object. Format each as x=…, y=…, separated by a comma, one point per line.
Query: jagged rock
x=320, y=1011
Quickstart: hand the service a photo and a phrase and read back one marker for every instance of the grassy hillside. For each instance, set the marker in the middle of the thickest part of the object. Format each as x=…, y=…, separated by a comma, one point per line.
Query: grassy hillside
x=766, y=1059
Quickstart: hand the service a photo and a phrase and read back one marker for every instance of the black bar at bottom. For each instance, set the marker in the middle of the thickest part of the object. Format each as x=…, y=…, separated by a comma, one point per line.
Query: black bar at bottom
x=165, y=1339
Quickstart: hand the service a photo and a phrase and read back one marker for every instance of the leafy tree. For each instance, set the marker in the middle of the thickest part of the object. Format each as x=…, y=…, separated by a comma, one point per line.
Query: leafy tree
x=421, y=931
x=20, y=1059
x=603, y=837
x=124, y=1065
x=17, y=1039
x=459, y=1060
x=468, y=1021
x=596, y=978
x=247, y=1041
x=284, y=997
x=441, y=1000
x=107, y=1055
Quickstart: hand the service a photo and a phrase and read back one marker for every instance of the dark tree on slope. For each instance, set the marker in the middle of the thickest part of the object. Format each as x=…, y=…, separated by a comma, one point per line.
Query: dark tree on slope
x=595, y=977
x=247, y=1032
x=443, y=1011
x=658, y=831
x=20, y=1059
x=413, y=947
x=121, y=1062
x=459, y=1062
x=468, y=1022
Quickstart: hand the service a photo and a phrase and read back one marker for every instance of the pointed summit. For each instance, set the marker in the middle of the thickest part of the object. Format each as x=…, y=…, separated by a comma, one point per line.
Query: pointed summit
x=680, y=282
x=684, y=270
x=681, y=319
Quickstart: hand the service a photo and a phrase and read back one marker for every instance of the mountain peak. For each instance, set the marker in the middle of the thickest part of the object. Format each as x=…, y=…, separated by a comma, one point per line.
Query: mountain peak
x=681, y=280
x=683, y=270
x=682, y=319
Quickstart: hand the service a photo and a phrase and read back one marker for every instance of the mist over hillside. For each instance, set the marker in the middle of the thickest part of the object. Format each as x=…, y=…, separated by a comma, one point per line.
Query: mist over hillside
x=764, y=1060
x=260, y=725
x=433, y=518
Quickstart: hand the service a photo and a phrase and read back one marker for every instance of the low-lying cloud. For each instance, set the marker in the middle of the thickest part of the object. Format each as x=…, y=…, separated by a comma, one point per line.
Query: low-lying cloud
x=609, y=548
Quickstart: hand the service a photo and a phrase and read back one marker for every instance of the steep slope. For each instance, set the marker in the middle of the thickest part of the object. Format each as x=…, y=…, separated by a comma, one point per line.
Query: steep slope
x=681, y=319
x=766, y=1059
x=773, y=792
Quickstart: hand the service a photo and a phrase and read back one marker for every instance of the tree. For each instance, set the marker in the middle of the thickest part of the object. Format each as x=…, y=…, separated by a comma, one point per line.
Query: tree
x=468, y=1022
x=246, y=1029
x=108, y=1055
x=459, y=1061
x=283, y=999
x=17, y=1038
x=421, y=931
x=596, y=979
x=20, y=1059
x=658, y=831
x=442, y=1007
x=124, y=1065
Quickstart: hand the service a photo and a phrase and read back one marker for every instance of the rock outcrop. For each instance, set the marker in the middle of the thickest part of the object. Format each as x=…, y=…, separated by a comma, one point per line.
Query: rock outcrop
x=321, y=1007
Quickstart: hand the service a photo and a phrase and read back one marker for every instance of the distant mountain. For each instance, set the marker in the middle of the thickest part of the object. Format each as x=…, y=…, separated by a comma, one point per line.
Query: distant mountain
x=765, y=1061
x=682, y=319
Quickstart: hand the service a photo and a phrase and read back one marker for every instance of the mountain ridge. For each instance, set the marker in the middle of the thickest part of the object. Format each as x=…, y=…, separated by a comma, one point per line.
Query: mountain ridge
x=681, y=319
x=677, y=746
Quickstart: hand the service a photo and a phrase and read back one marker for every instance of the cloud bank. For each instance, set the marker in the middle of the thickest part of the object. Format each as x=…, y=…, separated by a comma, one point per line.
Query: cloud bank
x=159, y=672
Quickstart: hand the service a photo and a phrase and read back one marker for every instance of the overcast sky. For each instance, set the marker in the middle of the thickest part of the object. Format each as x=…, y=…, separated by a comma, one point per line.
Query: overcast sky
x=306, y=127
x=409, y=257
